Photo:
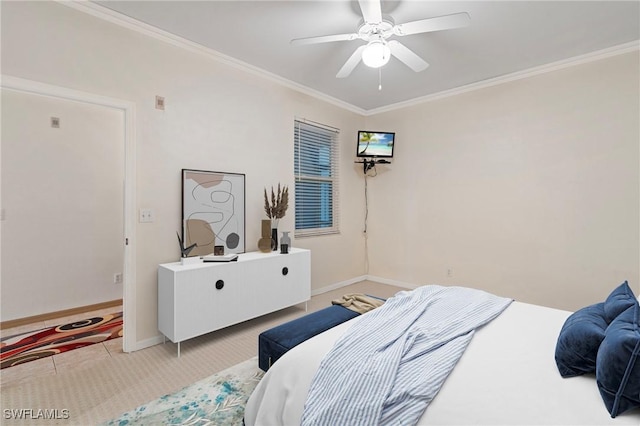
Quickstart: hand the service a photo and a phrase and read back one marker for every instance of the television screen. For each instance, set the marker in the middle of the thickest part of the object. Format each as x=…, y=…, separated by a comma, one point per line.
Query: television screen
x=375, y=144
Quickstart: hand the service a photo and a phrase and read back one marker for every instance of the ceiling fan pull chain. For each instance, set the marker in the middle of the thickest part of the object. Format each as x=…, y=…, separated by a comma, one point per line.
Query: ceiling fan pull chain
x=379, y=79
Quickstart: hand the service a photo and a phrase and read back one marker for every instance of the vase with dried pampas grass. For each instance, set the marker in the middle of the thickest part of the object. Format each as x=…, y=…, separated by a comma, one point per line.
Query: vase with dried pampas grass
x=275, y=207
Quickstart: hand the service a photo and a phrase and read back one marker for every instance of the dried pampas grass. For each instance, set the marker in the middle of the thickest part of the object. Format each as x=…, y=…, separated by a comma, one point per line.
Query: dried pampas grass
x=279, y=202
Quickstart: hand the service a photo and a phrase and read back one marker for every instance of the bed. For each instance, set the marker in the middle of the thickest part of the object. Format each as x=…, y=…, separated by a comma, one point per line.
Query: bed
x=507, y=375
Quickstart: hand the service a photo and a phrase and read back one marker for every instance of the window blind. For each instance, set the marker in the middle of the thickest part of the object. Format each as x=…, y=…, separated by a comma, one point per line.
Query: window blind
x=316, y=179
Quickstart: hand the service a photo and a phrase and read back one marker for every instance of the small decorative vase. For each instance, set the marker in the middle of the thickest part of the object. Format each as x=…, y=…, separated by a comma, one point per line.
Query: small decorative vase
x=285, y=242
x=274, y=238
x=265, y=244
x=285, y=238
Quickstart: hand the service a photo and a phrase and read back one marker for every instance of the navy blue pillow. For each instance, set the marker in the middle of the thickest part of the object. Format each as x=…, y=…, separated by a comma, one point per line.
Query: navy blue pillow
x=618, y=363
x=579, y=340
x=620, y=299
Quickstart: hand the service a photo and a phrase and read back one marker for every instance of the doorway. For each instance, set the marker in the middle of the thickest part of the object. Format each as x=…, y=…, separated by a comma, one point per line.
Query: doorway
x=67, y=199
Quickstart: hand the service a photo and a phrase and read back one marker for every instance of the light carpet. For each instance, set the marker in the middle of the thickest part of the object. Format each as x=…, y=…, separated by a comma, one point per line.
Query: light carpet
x=217, y=400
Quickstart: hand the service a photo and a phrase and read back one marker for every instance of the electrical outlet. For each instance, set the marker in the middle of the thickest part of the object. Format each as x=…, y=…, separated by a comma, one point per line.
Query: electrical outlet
x=117, y=278
x=146, y=216
x=449, y=273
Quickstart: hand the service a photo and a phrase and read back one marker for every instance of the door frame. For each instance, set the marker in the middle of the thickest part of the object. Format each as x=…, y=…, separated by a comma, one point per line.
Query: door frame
x=129, y=342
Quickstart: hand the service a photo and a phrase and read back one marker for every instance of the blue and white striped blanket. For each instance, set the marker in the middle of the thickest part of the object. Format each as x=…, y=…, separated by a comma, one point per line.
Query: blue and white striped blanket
x=388, y=367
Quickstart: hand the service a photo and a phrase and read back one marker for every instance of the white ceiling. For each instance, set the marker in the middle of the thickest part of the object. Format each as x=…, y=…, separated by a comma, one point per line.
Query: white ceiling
x=504, y=37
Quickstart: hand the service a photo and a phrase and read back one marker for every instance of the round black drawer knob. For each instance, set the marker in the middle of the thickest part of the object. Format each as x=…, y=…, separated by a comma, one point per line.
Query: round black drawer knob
x=285, y=270
x=219, y=284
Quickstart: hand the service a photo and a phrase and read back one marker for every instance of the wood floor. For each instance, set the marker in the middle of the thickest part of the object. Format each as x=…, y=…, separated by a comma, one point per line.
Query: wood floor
x=100, y=382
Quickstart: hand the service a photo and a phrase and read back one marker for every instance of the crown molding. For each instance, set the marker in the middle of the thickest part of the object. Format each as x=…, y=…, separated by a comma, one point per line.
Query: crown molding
x=519, y=75
x=119, y=19
x=124, y=21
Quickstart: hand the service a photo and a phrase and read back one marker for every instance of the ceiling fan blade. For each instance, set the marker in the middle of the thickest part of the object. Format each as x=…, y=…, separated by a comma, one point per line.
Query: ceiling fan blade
x=446, y=22
x=371, y=11
x=351, y=63
x=323, y=39
x=407, y=56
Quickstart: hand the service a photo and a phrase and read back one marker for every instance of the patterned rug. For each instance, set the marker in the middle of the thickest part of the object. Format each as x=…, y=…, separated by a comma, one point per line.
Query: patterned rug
x=33, y=345
x=217, y=400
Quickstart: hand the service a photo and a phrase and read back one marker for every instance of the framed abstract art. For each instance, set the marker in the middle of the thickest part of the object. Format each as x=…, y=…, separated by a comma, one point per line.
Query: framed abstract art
x=213, y=211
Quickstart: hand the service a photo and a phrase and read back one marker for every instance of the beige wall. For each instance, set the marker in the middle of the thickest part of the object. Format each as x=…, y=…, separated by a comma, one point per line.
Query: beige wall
x=528, y=189
x=217, y=118
x=62, y=195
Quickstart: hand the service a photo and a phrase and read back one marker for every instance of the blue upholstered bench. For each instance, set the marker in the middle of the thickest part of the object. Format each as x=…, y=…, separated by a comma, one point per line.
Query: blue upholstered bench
x=275, y=342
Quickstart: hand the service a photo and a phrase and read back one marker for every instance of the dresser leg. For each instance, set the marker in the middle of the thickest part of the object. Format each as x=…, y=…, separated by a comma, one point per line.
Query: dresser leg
x=178, y=349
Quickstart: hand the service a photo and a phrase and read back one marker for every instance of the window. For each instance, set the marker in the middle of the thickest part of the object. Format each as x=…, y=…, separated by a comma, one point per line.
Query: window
x=316, y=173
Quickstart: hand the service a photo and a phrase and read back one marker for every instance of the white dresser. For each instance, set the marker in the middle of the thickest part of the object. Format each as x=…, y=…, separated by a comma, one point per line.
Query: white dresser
x=199, y=298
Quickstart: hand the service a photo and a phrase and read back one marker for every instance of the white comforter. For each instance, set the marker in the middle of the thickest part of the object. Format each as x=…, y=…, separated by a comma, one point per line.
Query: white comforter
x=506, y=376
x=391, y=375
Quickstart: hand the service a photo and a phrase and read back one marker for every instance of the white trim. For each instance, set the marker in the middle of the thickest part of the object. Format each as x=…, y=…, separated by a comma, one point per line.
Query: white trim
x=133, y=24
x=392, y=282
x=373, y=278
x=128, y=108
x=531, y=72
x=151, y=341
x=122, y=20
x=338, y=285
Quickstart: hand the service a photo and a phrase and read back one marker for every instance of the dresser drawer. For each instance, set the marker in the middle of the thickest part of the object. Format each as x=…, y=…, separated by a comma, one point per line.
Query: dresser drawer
x=199, y=298
x=269, y=279
x=205, y=298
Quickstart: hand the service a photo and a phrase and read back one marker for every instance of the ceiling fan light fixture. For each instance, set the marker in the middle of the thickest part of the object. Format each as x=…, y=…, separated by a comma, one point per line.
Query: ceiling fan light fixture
x=376, y=54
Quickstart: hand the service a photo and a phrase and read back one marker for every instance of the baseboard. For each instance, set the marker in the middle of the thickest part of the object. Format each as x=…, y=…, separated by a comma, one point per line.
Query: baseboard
x=392, y=282
x=152, y=341
x=364, y=278
x=338, y=285
x=57, y=314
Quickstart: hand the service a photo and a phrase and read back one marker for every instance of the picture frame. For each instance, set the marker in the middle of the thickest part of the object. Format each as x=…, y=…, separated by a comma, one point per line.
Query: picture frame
x=213, y=211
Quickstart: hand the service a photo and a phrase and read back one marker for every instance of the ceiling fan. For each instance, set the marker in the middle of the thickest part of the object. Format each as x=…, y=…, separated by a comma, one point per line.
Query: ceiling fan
x=376, y=30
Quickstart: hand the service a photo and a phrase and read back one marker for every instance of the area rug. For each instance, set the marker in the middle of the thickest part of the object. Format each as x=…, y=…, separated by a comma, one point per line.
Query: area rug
x=217, y=400
x=49, y=341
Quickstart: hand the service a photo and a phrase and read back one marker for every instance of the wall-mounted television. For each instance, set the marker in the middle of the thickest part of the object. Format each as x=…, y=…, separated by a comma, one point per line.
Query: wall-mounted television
x=375, y=144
